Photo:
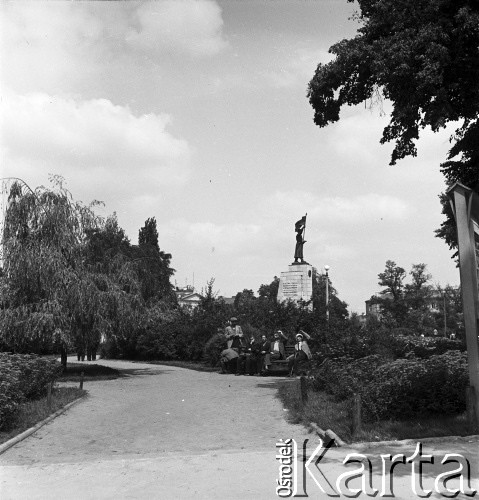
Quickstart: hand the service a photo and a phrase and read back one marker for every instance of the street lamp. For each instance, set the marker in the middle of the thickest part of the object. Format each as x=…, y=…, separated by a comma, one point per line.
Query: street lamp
x=326, y=268
x=445, y=314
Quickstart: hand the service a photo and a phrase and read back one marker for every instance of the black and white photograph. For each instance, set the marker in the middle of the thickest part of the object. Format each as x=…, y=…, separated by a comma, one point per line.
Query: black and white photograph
x=239, y=249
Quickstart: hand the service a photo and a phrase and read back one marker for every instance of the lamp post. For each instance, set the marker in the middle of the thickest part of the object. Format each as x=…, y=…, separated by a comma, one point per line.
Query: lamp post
x=326, y=268
x=445, y=314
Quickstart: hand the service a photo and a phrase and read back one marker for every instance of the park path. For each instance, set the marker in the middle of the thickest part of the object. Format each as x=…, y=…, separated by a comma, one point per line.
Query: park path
x=162, y=432
x=155, y=419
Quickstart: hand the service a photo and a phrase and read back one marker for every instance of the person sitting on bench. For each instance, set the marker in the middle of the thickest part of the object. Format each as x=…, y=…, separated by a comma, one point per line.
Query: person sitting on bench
x=264, y=350
x=252, y=354
x=301, y=353
x=228, y=360
x=276, y=349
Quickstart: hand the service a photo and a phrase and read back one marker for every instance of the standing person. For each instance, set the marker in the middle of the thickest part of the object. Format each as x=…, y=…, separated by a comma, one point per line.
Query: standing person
x=264, y=350
x=239, y=345
x=252, y=354
x=229, y=333
x=301, y=353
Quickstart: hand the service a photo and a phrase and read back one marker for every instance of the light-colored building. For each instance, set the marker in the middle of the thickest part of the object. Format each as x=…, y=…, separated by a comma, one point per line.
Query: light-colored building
x=373, y=305
x=187, y=297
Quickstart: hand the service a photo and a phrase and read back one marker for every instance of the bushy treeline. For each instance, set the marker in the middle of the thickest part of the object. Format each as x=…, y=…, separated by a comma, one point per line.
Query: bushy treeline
x=165, y=332
x=70, y=278
x=23, y=377
x=415, y=304
x=397, y=376
x=73, y=282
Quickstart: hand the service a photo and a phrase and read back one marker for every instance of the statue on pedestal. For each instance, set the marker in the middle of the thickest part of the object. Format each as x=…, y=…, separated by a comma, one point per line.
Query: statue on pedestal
x=300, y=228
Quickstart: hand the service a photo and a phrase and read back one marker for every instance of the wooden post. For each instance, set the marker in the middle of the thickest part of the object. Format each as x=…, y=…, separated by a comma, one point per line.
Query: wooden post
x=471, y=409
x=49, y=393
x=303, y=386
x=357, y=424
x=465, y=205
x=81, y=379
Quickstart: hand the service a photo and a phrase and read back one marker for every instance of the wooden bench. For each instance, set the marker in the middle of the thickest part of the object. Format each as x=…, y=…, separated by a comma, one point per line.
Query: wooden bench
x=280, y=366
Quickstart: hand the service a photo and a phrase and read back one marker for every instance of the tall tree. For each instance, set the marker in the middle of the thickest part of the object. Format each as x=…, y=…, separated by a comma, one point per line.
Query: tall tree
x=393, y=305
x=153, y=264
x=43, y=239
x=148, y=234
x=61, y=285
x=423, y=56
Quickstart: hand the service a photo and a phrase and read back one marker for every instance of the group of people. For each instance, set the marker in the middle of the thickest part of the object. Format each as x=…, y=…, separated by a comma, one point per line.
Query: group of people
x=254, y=357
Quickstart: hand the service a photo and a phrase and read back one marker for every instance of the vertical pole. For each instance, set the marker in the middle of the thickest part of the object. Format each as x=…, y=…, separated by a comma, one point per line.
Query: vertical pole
x=471, y=409
x=303, y=385
x=327, y=297
x=49, y=393
x=462, y=197
x=445, y=317
x=81, y=379
x=357, y=424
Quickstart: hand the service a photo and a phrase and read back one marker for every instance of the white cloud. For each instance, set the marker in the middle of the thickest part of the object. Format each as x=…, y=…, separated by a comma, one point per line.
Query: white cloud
x=298, y=68
x=66, y=47
x=50, y=45
x=331, y=210
x=193, y=27
x=91, y=138
x=215, y=238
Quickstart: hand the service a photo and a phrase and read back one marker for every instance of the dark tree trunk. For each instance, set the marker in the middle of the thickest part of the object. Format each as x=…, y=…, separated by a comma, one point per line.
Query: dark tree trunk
x=63, y=356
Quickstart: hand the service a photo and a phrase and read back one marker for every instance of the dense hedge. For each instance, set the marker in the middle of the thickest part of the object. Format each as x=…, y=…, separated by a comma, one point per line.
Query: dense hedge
x=344, y=377
x=23, y=376
x=398, y=389
x=408, y=387
x=388, y=344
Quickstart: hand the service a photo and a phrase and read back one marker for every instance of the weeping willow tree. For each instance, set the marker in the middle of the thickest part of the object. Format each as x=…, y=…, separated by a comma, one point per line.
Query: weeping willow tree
x=52, y=296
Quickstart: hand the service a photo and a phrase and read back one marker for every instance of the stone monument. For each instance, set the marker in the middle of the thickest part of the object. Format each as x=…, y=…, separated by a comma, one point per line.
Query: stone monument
x=296, y=284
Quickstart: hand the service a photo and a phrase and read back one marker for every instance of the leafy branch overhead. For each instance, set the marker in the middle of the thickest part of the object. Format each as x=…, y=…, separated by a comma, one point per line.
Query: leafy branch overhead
x=423, y=56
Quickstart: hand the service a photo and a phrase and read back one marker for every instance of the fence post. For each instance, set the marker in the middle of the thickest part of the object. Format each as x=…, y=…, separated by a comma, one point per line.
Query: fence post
x=356, y=414
x=303, y=386
x=49, y=393
x=81, y=379
x=471, y=408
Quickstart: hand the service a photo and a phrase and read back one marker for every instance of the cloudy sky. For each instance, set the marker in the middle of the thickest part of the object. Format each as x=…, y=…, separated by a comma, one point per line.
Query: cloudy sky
x=195, y=112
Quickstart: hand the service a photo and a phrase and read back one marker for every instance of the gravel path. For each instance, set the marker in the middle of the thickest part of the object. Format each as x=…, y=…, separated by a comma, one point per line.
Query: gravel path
x=162, y=432
x=152, y=416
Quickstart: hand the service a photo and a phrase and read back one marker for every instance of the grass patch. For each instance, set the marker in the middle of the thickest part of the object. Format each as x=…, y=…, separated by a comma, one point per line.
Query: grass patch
x=337, y=416
x=34, y=411
x=91, y=372
x=190, y=365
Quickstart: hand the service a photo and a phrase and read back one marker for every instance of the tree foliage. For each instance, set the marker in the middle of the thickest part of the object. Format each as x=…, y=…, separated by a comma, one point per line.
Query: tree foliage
x=153, y=264
x=71, y=278
x=423, y=56
x=416, y=306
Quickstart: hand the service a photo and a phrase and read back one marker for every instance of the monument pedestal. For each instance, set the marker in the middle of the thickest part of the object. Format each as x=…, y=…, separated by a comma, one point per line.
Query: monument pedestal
x=296, y=284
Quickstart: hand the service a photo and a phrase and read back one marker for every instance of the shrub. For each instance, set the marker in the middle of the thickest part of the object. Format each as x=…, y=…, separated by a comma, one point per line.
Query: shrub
x=213, y=348
x=10, y=394
x=423, y=347
x=23, y=376
x=344, y=377
x=249, y=330
x=405, y=388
